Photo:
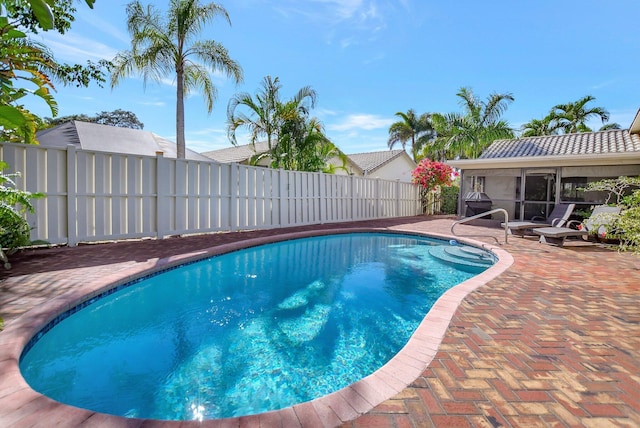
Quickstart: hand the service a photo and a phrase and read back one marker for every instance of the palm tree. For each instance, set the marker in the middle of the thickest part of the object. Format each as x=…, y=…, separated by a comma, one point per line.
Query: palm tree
x=334, y=158
x=303, y=146
x=261, y=120
x=266, y=112
x=295, y=141
x=537, y=127
x=23, y=60
x=573, y=116
x=417, y=129
x=162, y=46
x=439, y=148
x=468, y=134
x=609, y=126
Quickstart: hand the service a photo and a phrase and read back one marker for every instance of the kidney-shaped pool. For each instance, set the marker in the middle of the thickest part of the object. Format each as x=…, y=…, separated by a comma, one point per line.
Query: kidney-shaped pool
x=249, y=331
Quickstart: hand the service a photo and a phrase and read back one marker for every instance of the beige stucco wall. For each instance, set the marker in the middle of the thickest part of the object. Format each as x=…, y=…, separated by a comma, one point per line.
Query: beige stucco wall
x=398, y=169
x=601, y=171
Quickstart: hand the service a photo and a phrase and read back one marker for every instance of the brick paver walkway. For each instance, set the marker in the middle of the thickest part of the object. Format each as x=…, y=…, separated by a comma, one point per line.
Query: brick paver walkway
x=553, y=341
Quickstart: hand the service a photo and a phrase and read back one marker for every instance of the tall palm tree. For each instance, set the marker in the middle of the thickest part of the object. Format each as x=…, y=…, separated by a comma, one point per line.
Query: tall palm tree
x=167, y=46
x=416, y=129
x=265, y=113
x=573, y=116
x=468, y=134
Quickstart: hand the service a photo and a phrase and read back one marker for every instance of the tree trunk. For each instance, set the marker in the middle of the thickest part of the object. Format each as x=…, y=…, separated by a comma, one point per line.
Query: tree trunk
x=180, y=144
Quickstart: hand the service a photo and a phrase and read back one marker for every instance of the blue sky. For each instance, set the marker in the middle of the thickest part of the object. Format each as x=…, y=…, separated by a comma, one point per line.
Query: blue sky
x=368, y=59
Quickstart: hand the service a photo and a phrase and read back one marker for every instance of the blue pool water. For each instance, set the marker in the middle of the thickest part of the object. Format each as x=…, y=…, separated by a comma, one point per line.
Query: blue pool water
x=245, y=332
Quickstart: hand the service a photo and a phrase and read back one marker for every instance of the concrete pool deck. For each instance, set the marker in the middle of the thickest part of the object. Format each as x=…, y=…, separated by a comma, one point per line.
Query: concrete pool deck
x=552, y=341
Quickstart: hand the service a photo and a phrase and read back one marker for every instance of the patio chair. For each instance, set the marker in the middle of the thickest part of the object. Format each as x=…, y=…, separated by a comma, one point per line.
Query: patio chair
x=558, y=218
x=601, y=216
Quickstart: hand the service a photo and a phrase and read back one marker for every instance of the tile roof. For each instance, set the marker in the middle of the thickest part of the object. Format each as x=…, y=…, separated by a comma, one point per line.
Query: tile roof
x=371, y=161
x=237, y=153
x=586, y=143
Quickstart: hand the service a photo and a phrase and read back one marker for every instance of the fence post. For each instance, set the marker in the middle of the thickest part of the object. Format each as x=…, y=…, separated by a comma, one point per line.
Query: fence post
x=377, y=196
x=284, y=190
x=352, y=190
x=72, y=233
x=323, y=197
x=398, y=210
x=162, y=193
x=234, y=197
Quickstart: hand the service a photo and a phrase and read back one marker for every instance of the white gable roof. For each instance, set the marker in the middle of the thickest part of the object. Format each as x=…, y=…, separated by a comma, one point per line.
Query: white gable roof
x=113, y=139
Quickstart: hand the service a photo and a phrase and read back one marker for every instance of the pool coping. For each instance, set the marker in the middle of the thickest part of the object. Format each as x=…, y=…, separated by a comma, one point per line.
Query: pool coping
x=24, y=406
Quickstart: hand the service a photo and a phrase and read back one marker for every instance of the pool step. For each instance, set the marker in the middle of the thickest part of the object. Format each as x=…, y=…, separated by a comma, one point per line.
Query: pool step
x=469, y=253
x=462, y=256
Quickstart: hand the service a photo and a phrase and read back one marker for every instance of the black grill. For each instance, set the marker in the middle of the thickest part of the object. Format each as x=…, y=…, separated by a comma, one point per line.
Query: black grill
x=477, y=203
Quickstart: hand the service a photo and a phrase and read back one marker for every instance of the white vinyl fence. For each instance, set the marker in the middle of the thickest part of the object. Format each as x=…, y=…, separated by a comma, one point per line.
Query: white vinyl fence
x=98, y=196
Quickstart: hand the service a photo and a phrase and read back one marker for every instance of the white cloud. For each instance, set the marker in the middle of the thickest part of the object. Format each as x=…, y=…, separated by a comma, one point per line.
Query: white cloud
x=93, y=19
x=333, y=12
x=169, y=81
x=153, y=103
x=208, y=131
x=344, y=9
x=623, y=117
x=323, y=112
x=78, y=49
x=206, y=145
x=345, y=43
x=361, y=144
x=603, y=84
x=365, y=122
x=207, y=139
x=376, y=58
x=201, y=146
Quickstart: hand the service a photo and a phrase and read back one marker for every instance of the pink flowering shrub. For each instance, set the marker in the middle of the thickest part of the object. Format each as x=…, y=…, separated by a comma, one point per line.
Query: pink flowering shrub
x=431, y=174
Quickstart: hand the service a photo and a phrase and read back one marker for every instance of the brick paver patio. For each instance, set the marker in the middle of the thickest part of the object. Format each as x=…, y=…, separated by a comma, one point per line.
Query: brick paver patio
x=553, y=341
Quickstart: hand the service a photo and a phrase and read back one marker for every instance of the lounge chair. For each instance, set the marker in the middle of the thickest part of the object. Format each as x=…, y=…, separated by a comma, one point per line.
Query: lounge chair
x=599, y=218
x=558, y=218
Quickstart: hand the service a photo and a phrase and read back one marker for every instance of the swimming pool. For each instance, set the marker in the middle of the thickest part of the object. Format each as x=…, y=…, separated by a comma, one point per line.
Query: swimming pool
x=291, y=321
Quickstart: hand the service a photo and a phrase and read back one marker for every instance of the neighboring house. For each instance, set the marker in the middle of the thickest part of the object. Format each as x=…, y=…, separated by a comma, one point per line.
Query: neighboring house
x=240, y=154
x=527, y=176
x=112, y=139
x=388, y=164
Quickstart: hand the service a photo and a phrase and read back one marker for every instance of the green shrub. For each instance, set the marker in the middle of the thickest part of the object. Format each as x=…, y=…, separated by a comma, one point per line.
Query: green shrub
x=14, y=203
x=626, y=226
x=629, y=226
x=14, y=229
x=632, y=200
x=449, y=199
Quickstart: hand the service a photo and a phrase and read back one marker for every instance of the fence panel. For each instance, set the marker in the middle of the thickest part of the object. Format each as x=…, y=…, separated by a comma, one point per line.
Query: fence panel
x=94, y=196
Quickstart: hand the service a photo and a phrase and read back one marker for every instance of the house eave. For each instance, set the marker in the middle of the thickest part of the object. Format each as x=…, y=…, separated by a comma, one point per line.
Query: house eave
x=548, y=161
x=635, y=125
